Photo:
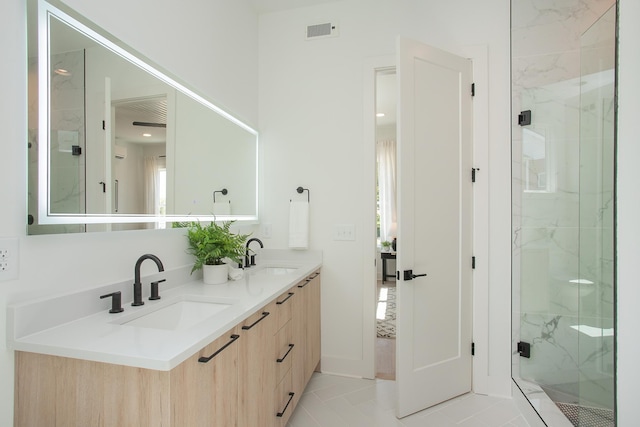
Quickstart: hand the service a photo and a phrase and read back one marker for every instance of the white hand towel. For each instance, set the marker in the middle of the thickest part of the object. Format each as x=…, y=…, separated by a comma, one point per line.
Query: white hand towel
x=298, y=225
x=222, y=208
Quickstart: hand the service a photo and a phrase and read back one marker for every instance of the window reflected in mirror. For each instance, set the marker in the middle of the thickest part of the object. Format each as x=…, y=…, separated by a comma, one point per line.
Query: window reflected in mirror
x=535, y=161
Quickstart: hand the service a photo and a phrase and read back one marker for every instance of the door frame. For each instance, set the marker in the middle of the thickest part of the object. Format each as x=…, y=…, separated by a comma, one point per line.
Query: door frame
x=481, y=378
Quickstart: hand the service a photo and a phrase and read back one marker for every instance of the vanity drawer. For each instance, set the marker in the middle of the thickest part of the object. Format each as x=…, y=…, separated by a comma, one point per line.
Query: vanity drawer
x=283, y=305
x=284, y=401
x=285, y=351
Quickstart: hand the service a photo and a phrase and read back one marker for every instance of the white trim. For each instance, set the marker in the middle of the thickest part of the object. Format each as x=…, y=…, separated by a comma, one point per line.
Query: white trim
x=479, y=55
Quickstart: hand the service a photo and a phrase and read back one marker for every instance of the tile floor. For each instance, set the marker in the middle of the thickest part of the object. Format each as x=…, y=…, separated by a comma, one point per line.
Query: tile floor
x=335, y=401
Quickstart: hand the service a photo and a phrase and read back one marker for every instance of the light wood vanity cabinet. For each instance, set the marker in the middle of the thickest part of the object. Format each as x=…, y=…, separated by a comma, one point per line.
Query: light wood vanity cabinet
x=256, y=373
x=312, y=341
x=204, y=388
x=253, y=375
x=286, y=349
x=306, y=331
x=64, y=392
x=294, y=348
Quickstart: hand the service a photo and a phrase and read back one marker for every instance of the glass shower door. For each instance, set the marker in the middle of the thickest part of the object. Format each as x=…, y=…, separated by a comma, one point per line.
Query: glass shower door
x=563, y=210
x=596, y=232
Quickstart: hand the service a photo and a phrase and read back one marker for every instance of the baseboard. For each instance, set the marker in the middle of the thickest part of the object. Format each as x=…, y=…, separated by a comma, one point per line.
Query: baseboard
x=344, y=367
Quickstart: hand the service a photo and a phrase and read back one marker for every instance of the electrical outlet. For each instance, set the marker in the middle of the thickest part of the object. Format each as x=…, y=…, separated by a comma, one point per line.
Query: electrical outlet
x=266, y=231
x=8, y=259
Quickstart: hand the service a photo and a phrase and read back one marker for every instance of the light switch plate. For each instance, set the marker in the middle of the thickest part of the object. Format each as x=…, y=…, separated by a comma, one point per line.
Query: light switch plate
x=8, y=259
x=344, y=232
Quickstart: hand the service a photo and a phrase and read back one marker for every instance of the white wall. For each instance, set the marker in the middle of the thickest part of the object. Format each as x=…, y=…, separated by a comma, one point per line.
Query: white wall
x=311, y=123
x=628, y=212
x=192, y=39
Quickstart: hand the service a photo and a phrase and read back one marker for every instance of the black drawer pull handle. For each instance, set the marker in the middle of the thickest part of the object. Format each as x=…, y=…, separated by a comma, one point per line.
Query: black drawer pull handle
x=206, y=359
x=283, y=301
x=286, y=354
x=280, y=414
x=306, y=282
x=264, y=314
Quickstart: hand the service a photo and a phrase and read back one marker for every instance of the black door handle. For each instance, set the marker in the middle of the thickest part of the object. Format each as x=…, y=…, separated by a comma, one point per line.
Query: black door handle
x=408, y=275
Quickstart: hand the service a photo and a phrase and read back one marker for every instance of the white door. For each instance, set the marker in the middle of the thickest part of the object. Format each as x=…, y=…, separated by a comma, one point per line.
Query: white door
x=434, y=318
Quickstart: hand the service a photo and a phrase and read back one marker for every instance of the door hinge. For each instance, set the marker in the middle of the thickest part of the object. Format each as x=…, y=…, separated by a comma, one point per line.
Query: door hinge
x=473, y=262
x=473, y=89
x=524, y=349
x=473, y=174
x=104, y=125
x=473, y=349
x=524, y=118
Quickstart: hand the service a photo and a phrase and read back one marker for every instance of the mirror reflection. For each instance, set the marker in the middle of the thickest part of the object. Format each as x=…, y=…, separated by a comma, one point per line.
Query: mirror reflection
x=116, y=144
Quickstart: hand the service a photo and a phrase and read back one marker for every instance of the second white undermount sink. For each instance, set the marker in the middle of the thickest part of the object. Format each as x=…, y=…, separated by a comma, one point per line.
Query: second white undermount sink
x=275, y=271
x=181, y=314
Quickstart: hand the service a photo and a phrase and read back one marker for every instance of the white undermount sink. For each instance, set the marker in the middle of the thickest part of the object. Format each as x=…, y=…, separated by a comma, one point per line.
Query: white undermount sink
x=275, y=271
x=178, y=315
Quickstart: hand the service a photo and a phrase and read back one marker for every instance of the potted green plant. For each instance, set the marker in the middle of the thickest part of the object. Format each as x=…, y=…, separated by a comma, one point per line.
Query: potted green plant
x=211, y=244
x=386, y=246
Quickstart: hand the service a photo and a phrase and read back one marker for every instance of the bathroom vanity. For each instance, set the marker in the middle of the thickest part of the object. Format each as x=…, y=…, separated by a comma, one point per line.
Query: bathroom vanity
x=238, y=354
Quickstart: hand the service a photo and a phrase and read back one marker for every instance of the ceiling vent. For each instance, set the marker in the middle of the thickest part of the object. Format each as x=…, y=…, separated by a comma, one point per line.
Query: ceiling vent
x=319, y=31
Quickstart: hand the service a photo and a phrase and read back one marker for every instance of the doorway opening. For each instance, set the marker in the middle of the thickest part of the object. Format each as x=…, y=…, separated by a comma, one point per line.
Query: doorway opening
x=386, y=221
x=138, y=164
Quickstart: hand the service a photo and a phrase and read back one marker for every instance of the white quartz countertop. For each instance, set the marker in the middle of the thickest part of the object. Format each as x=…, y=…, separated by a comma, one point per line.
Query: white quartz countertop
x=105, y=337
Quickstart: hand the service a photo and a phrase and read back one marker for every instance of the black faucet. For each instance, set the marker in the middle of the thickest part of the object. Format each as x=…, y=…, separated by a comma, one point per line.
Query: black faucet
x=251, y=260
x=137, y=285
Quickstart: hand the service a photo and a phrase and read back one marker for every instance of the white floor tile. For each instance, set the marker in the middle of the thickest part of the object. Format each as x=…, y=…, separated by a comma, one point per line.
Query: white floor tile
x=350, y=385
x=349, y=413
x=468, y=406
x=335, y=401
x=499, y=414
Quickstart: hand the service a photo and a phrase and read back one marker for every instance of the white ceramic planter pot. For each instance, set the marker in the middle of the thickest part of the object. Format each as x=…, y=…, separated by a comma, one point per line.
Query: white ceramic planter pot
x=215, y=274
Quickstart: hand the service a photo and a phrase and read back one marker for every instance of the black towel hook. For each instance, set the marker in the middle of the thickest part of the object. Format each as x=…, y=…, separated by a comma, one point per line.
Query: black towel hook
x=300, y=190
x=223, y=191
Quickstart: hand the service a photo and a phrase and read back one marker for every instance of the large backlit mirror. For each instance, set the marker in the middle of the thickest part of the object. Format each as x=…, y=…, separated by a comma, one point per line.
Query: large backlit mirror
x=115, y=143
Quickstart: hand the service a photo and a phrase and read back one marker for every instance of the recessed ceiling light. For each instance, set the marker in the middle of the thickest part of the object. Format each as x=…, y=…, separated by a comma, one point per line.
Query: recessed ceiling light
x=146, y=135
x=62, y=72
x=379, y=114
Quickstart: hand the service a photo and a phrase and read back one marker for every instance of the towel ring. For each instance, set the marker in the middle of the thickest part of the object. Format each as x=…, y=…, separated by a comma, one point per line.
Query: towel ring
x=300, y=190
x=224, y=193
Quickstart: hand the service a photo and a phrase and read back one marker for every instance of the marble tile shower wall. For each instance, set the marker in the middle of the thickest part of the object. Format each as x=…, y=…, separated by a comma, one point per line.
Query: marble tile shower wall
x=546, y=188
x=67, y=129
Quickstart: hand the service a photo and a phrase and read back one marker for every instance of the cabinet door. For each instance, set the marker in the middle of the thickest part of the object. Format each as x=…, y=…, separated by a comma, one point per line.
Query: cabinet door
x=60, y=392
x=204, y=388
x=256, y=371
x=312, y=343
